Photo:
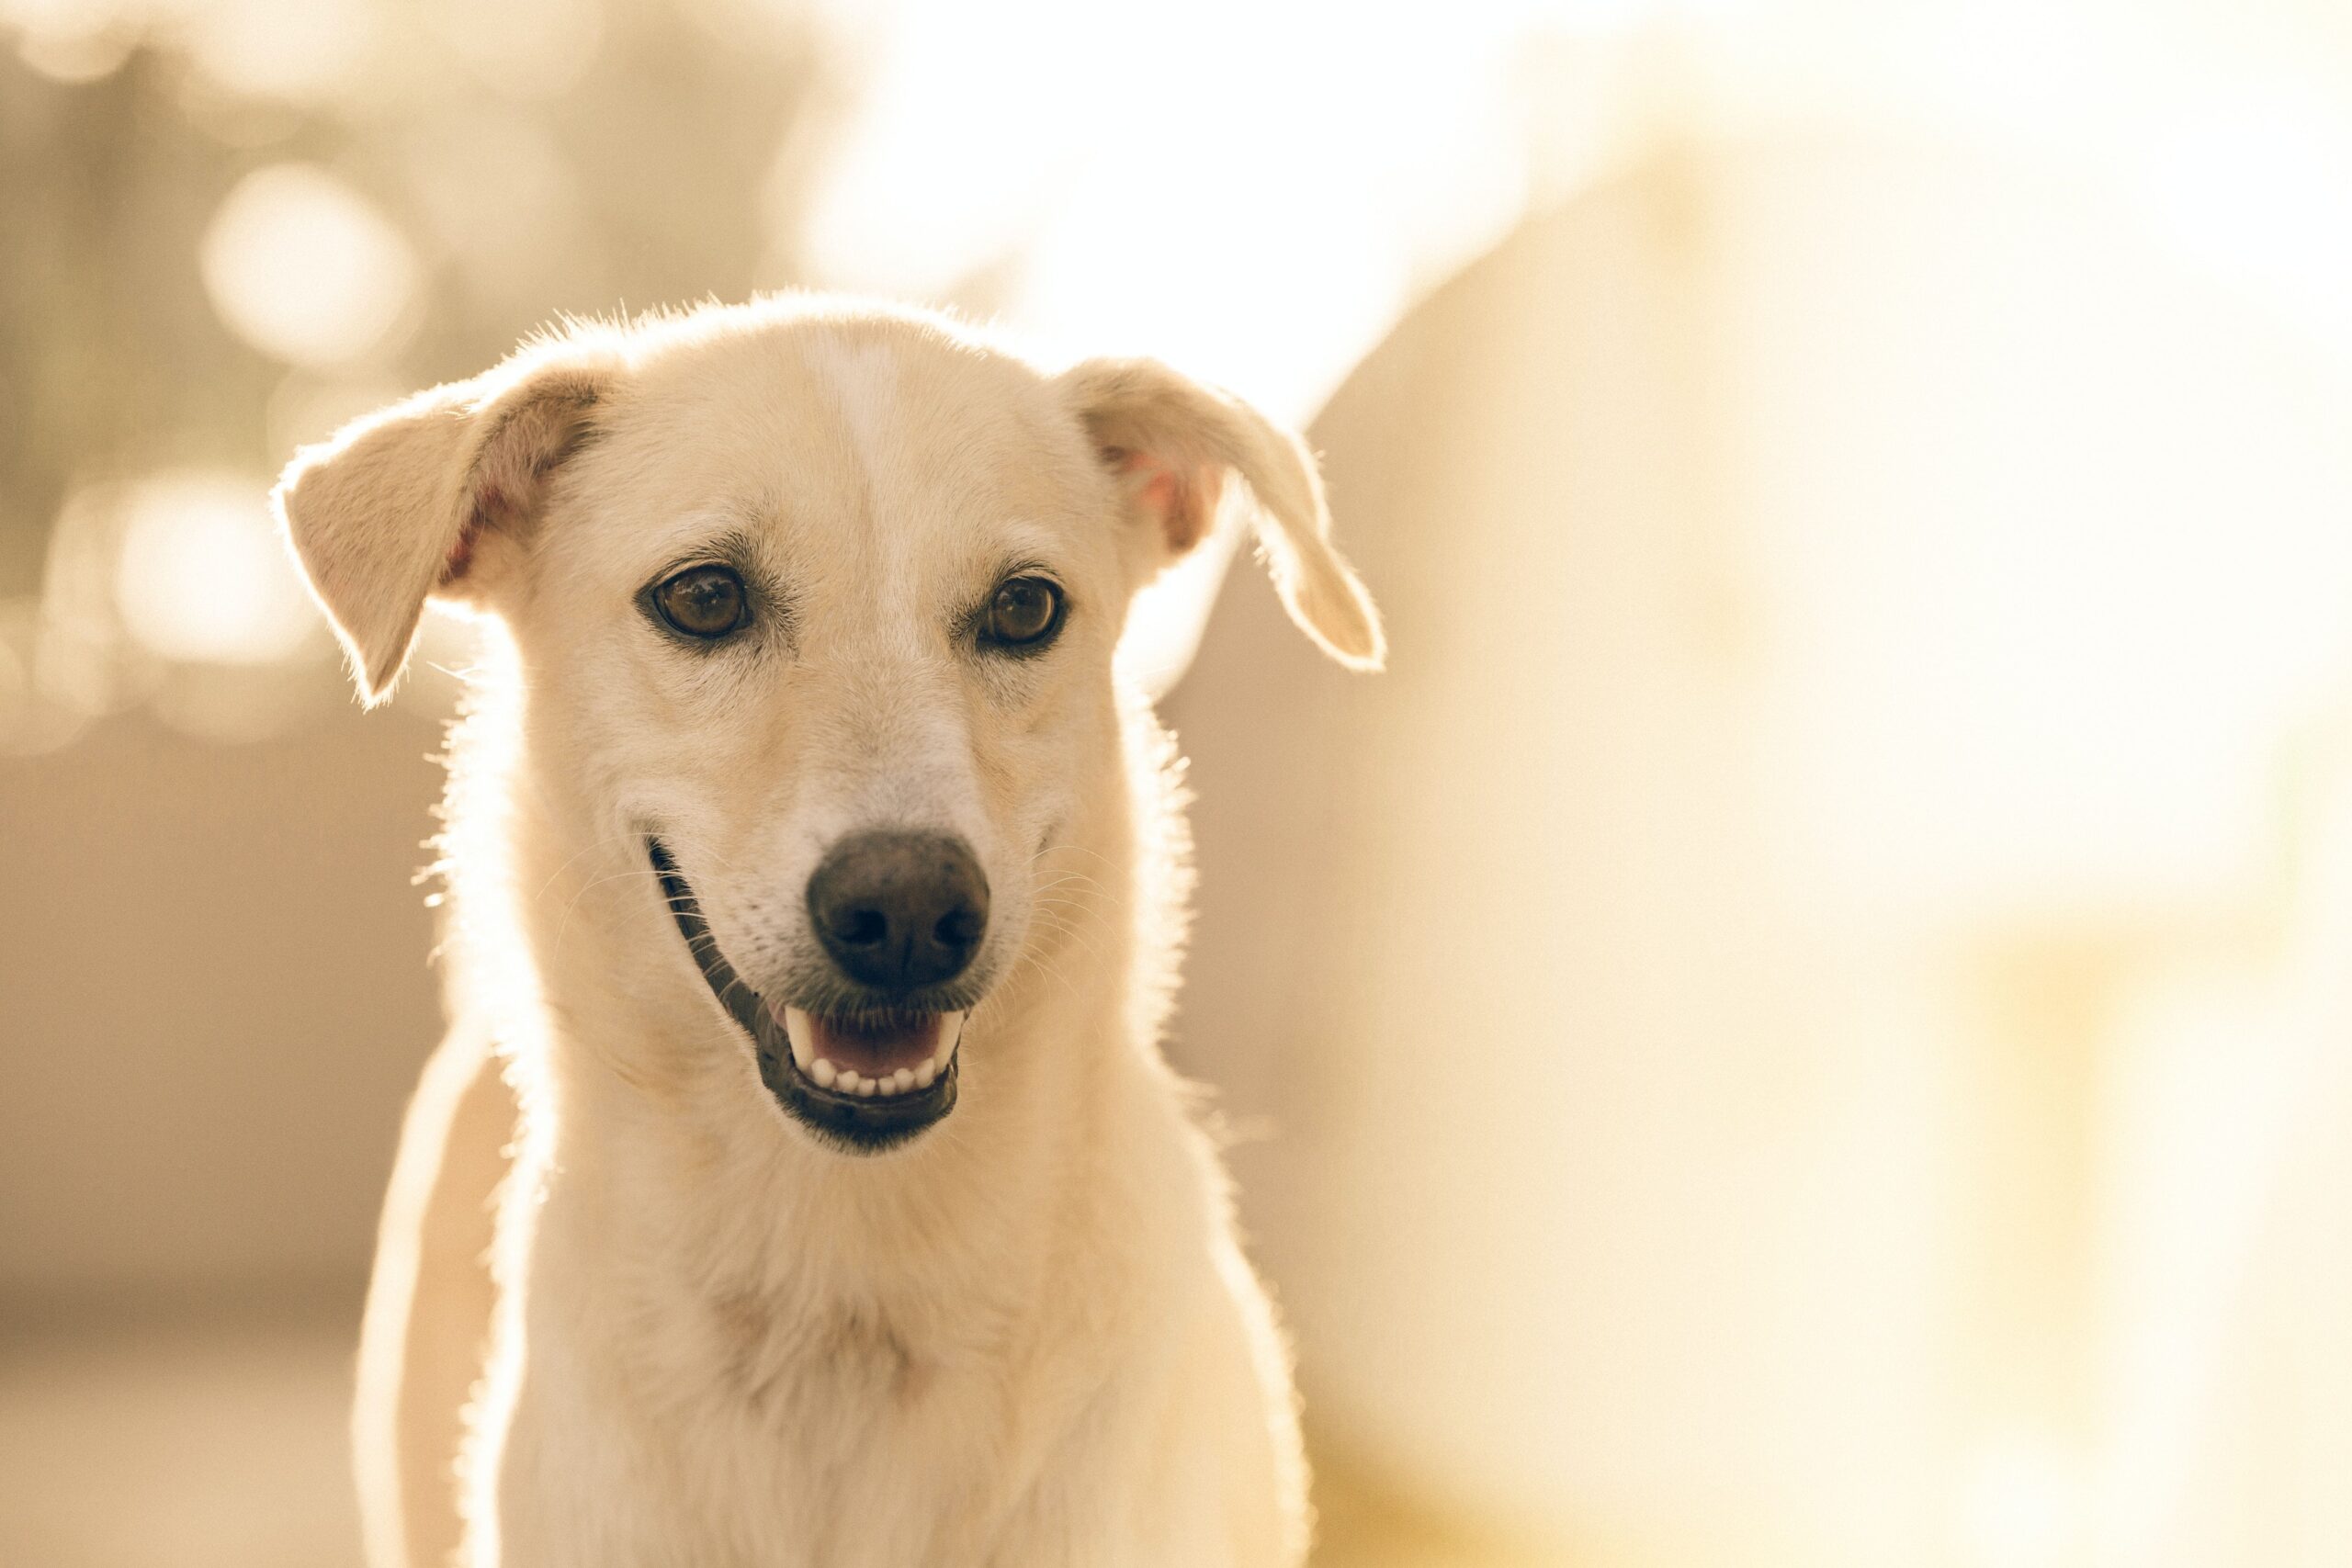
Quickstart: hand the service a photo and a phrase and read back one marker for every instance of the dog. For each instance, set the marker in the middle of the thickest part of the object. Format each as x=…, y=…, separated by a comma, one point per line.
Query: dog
x=802, y=1184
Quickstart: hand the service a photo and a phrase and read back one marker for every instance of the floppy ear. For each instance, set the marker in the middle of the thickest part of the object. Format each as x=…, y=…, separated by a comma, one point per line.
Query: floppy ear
x=1172, y=443
x=424, y=498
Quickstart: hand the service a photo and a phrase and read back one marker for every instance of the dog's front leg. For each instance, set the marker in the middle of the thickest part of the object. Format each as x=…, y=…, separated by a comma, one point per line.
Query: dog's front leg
x=426, y=1327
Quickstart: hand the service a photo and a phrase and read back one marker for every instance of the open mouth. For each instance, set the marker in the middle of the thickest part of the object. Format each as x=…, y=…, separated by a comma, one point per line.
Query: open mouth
x=866, y=1081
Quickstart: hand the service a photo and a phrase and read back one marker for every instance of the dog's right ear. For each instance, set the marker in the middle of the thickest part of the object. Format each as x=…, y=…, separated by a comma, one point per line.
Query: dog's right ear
x=431, y=497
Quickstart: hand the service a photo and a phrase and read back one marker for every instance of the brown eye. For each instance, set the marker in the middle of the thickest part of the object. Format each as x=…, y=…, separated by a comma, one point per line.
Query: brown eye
x=1024, y=614
x=704, y=602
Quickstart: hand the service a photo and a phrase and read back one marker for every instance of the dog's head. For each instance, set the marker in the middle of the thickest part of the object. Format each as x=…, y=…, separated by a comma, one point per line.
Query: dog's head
x=816, y=610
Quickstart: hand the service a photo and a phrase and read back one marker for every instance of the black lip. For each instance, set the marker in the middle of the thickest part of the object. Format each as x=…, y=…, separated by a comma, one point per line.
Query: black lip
x=853, y=1122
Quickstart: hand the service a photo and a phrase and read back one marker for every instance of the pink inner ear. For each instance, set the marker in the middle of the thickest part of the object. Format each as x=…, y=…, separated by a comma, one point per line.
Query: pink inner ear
x=461, y=554
x=1182, y=504
x=509, y=474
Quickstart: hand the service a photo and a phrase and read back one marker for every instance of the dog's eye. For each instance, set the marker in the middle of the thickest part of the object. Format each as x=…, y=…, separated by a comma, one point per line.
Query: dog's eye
x=1025, y=612
x=705, y=602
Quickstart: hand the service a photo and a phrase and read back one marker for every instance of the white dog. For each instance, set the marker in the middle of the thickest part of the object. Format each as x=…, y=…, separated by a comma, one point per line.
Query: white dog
x=818, y=891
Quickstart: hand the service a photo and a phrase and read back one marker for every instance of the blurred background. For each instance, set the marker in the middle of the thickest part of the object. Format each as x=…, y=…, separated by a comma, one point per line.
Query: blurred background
x=1804, y=1021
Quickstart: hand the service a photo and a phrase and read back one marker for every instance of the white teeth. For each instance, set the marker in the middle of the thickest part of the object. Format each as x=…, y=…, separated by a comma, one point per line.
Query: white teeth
x=801, y=1030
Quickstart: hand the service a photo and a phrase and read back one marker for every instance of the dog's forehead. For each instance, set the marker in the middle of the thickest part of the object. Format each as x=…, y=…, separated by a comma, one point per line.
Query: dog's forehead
x=856, y=430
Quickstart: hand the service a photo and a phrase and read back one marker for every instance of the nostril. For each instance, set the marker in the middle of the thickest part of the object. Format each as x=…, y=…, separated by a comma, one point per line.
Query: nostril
x=958, y=927
x=862, y=928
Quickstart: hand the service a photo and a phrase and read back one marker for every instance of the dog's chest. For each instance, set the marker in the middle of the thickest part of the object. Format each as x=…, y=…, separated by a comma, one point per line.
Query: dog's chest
x=848, y=1434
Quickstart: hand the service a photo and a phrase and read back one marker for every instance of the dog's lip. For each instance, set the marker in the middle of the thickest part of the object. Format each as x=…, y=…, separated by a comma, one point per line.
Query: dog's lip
x=862, y=1123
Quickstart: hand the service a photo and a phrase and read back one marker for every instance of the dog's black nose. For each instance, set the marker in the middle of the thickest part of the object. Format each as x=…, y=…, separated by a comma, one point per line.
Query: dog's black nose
x=899, y=911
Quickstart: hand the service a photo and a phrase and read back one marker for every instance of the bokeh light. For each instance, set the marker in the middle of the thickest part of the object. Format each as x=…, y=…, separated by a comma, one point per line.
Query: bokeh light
x=266, y=48
x=203, y=577
x=525, y=47
x=305, y=268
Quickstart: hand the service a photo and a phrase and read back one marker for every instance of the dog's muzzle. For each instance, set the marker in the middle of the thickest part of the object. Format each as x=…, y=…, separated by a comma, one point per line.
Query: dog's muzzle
x=863, y=1079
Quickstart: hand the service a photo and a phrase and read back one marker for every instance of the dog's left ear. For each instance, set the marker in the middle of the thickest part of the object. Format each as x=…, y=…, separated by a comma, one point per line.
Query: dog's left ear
x=1172, y=444
x=430, y=497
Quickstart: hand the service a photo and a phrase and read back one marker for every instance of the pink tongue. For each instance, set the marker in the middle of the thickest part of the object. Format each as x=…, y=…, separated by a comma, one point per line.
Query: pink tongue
x=878, y=1050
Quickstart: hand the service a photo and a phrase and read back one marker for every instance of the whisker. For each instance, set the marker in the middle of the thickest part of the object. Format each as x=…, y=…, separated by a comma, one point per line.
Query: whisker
x=1054, y=923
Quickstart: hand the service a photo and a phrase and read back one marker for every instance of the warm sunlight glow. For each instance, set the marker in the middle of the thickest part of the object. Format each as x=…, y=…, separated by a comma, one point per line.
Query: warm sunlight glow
x=2254, y=189
x=1258, y=216
x=2022, y=1508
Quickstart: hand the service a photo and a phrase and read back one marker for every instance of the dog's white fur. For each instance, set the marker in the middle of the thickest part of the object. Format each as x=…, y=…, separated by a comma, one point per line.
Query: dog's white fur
x=1027, y=1338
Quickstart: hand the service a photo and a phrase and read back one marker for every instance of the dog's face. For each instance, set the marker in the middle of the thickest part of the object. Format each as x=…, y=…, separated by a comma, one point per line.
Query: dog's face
x=835, y=613
x=817, y=610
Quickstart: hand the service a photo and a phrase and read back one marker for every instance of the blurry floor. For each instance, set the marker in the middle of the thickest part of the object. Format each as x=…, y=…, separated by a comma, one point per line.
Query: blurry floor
x=1359, y=1526
x=218, y=1442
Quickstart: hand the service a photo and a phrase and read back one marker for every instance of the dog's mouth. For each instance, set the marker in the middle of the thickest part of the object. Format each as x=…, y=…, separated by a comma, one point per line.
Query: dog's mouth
x=866, y=1081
